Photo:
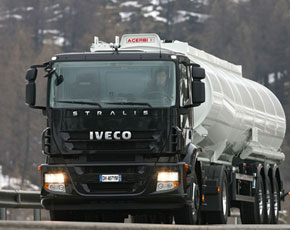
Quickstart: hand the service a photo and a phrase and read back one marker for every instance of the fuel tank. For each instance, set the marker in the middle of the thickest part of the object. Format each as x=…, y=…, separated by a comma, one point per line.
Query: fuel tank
x=240, y=118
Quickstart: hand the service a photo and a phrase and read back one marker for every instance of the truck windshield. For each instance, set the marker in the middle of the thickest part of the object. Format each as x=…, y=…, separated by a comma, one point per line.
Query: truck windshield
x=107, y=84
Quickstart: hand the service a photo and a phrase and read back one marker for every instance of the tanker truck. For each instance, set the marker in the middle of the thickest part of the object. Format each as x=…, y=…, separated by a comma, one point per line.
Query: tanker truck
x=160, y=131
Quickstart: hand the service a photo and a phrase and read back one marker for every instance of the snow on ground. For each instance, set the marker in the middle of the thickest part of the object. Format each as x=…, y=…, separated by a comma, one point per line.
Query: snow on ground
x=158, y=2
x=55, y=19
x=131, y=3
x=51, y=32
x=148, y=8
x=16, y=16
x=155, y=2
x=52, y=7
x=56, y=40
x=29, y=8
x=7, y=182
x=185, y=15
x=155, y=14
x=126, y=16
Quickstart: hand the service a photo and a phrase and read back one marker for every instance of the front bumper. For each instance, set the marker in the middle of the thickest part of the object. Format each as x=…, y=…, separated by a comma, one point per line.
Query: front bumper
x=137, y=191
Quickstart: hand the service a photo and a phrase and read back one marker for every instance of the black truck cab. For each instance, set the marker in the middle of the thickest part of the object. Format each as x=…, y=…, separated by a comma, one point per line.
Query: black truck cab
x=118, y=134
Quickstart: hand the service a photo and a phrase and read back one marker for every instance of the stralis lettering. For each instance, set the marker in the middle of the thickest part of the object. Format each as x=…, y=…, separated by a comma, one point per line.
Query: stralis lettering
x=112, y=113
x=110, y=135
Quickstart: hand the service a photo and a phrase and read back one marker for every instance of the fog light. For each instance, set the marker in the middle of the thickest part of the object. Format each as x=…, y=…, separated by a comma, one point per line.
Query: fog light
x=162, y=186
x=54, y=178
x=167, y=176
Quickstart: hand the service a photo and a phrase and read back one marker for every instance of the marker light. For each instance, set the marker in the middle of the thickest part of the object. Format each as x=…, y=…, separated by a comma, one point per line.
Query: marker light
x=167, y=176
x=54, y=178
x=162, y=186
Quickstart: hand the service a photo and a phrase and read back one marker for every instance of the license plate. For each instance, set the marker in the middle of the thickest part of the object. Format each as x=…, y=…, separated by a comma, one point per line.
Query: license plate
x=110, y=178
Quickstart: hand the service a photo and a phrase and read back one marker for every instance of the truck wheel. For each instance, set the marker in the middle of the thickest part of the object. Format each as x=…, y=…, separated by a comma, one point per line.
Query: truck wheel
x=276, y=202
x=269, y=203
x=221, y=217
x=190, y=213
x=253, y=213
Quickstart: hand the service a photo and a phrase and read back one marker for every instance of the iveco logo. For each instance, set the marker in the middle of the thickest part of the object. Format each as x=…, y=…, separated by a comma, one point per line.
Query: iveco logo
x=110, y=135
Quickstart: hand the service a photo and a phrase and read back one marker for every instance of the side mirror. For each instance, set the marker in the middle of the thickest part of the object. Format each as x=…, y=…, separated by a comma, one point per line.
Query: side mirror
x=198, y=93
x=30, y=94
x=30, y=86
x=31, y=74
x=198, y=87
x=198, y=73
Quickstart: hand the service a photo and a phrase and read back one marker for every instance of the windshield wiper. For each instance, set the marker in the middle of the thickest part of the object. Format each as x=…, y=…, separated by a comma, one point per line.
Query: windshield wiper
x=129, y=103
x=81, y=103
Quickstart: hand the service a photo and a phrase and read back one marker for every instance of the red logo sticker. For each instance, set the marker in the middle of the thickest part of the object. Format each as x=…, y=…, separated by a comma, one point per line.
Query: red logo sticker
x=140, y=40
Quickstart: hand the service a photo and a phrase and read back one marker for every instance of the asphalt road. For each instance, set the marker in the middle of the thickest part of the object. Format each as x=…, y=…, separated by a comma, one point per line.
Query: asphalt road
x=49, y=225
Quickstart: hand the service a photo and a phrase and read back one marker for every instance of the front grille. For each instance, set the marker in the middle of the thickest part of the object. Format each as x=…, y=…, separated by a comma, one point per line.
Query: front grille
x=141, y=142
x=86, y=179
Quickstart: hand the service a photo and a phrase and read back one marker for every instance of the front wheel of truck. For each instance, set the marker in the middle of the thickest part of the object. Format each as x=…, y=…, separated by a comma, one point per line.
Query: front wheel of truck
x=189, y=214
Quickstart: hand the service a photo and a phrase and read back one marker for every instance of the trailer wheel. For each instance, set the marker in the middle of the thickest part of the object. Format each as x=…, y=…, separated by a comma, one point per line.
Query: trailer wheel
x=269, y=203
x=253, y=213
x=276, y=201
x=191, y=212
x=221, y=217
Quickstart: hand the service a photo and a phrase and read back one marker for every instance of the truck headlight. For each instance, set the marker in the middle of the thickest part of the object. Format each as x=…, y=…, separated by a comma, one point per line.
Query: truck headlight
x=54, y=182
x=167, y=181
x=57, y=178
x=167, y=176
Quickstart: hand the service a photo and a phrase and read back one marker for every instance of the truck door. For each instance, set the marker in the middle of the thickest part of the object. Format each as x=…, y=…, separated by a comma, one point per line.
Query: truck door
x=185, y=99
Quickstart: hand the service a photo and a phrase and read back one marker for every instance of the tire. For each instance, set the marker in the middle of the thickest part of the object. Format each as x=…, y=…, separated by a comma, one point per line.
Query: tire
x=221, y=217
x=269, y=202
x=254, y=213
x=276, y=201
x=190, y=213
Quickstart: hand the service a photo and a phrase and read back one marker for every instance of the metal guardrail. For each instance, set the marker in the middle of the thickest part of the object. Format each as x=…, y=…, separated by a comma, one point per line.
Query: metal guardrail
x=20, y=199
x=31, y=200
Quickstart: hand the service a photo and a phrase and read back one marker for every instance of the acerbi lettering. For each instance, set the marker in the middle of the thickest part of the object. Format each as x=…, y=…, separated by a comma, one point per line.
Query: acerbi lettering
x=110, y=135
